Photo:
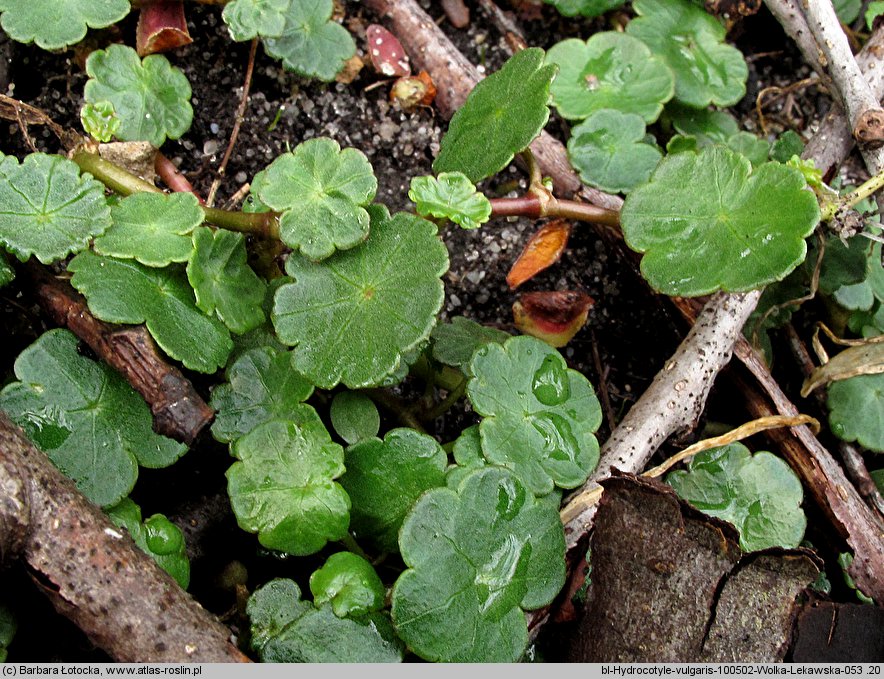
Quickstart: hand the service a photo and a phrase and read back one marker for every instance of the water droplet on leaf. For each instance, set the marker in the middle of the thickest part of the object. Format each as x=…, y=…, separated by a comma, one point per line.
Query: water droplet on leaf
x=551, y=385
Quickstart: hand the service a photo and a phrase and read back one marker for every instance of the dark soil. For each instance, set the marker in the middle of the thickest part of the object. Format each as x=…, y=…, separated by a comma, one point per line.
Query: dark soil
x=633, y=330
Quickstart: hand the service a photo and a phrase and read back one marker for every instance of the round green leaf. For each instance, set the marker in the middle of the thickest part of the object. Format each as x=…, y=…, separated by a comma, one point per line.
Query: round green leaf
x=247, y=19
x=747, y=144
x=47, y=208
x=261, y=386
x=856, y=410
x=455, y=343
x=539, y=415
x=157, y=537
x=92, y=425
x=151, y=97
x=322, y=192
x=609, y=152
x=477, y=557
x=788, y=144
x=283, y=487
x=450, y=196
x=690, y=42
x=123, y=291
x=384, y=478
x=287, y=630
x=354, y=416
x=758, y=493
x=311, y=44
x=55, y=24
x=711, y=207
x=152, y=228
x=353, y=316
x=350, y=583
x=609, y=71
x=587, y=8
x=706, y=125
x=501, y=116
x=222, y=280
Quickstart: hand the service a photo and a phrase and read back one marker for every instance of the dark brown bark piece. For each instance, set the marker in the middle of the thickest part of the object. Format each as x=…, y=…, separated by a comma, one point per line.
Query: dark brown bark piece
x=758, y=607
x=179, y=412
x=656, y=568
x=95, y=575
x=669, y=584
x=830, y=632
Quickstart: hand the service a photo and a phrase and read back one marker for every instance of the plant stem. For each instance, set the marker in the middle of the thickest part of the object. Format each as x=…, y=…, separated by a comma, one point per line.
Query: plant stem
x=446, y=377
x=352, y=546
x=262, y=224
x=864, y=190
x=445, y=404
x=397, y=406
x=532, y=206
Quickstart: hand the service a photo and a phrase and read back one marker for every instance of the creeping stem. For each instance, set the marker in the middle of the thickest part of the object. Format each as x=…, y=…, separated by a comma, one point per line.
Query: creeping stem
x=263, y=224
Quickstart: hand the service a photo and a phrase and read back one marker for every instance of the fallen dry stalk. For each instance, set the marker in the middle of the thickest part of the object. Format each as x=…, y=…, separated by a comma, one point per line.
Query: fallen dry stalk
x=591, y=496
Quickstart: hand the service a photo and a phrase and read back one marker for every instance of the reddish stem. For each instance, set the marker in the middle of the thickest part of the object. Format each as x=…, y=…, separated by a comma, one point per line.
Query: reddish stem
x=173, y=177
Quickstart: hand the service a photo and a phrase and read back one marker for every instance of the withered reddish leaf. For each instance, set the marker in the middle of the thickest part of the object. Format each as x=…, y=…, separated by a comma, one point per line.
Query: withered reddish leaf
x=542, y=251
x=555, y=317
x=387, y=54
x=411, y=91
x=161, y=27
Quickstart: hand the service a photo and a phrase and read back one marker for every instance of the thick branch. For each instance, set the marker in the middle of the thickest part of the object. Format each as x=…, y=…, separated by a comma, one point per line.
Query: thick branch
x=178, y=411
x=851, y=89
x=93, y=573
x=672, y=403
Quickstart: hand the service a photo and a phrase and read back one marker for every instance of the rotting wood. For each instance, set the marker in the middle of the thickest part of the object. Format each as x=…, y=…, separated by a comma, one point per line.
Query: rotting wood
x=92, y=571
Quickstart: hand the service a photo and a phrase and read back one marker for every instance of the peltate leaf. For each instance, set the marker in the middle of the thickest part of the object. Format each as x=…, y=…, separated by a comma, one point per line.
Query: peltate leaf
x=354, y=416
x=157, y=537
x=247, y=19
x=224, y=284
x=353, y=316
x=501, y=116
x=856, y=410
x=477, y=557
x=450, y=196
x=587, y=8
x=754, y=148
x=609, y=71
x=349, y=583
x=311, y=44
x=690, y=41
x=261, y=386
x=609, y=152
x=152, y=228
x=47, y=208
x=788, y=144
x=707, y=125
x=455, y=343
x=55, y=24
x=539, y=415
x=151, y=97
x=286, y=629
x=711, y=207
x=283, y=487
x=123, y=291
x=384, y=478
x=758, y=493
x=322, y=192
x=83, y=415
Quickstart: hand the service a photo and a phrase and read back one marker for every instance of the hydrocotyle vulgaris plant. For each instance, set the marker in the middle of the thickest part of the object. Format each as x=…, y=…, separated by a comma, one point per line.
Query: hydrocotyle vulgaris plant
x=352, y=291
